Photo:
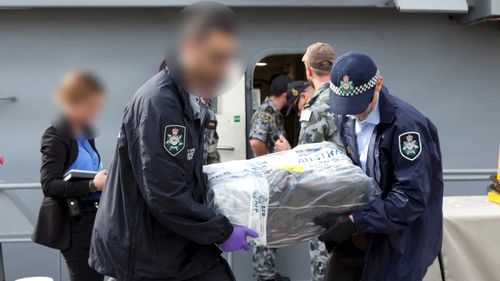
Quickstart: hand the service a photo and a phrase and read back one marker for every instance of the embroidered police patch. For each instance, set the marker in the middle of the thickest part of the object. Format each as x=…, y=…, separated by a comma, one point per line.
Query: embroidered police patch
x=174, y=139
x=409, y=145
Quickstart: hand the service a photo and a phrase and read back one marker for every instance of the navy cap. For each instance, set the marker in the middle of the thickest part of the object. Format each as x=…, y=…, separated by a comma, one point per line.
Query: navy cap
x=279, y=84
x=353, y=76
x=293, y=92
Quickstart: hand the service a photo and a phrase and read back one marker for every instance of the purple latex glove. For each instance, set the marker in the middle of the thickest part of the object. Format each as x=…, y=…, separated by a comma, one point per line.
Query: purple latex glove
x=238, y=239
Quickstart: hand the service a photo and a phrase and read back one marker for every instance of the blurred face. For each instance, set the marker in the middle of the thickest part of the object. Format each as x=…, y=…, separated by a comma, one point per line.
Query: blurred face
x=280, y=101
x=206, y=61
x=373, y=102
x=83, y=112
x=309, y=73
x=304, y=96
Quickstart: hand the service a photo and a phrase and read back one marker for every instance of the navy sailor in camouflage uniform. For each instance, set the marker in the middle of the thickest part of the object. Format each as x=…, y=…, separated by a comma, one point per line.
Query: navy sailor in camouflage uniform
x=317, y=124
x=267, y=126
x=210, y=153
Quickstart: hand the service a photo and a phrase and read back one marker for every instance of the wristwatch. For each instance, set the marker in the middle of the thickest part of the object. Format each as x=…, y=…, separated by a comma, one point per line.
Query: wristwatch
x=92, y=187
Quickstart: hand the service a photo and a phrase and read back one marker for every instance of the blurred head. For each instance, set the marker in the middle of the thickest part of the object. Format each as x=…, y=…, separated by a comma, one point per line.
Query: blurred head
x=355, y=83
x=80, y=95
x=278, y=89
x=207, y=47
x=304, y=97
x=318, y=60
x=298, y=93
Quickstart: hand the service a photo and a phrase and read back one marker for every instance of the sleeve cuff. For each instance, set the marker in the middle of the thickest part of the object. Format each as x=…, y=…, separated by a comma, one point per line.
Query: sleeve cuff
x=255, y=136
x=359, y=221
x=227, y=230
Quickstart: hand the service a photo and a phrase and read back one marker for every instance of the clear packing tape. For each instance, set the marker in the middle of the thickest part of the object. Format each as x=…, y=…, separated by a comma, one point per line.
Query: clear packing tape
x=279, y=194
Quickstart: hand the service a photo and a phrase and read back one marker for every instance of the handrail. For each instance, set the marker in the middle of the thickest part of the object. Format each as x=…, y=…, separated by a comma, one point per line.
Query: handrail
x=448, y=175
x=19, y=186
x=467, y=174
x=11, y=99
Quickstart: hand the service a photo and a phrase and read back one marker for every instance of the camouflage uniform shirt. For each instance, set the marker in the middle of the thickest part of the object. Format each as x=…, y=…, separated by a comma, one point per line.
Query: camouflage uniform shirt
x=267, y=124
x=210, y=153
x=317, y=123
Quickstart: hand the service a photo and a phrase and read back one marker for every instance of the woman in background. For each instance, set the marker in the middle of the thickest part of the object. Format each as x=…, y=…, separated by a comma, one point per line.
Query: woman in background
x=69, y=208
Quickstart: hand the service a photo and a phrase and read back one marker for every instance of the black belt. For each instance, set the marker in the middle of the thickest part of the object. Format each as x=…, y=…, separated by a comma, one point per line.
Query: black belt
x=89, y=205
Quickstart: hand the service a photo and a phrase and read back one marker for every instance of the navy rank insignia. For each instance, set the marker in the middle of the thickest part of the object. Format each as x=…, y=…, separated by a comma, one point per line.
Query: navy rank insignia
x=266, y=116
x=409, y=145
x=174, y=139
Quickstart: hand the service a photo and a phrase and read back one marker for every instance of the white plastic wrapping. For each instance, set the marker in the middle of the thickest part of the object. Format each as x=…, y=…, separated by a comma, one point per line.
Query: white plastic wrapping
x=279, y=194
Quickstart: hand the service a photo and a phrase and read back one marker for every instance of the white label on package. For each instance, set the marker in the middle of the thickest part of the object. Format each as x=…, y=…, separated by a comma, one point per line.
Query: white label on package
x=259, y=204
x=322, y=157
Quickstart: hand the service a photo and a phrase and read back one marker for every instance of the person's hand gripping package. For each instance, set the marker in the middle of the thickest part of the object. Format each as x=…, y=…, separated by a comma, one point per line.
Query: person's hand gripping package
x=238, y=239
x=338, y=228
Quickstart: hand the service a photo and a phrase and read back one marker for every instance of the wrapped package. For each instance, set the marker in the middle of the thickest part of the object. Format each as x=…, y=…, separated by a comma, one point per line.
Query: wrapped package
x=279, y=194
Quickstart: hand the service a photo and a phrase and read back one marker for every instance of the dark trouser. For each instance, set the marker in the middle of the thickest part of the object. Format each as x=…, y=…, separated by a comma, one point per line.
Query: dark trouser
x=345, y=264
x=341, y=268
x=77, y=255
x=221, y=272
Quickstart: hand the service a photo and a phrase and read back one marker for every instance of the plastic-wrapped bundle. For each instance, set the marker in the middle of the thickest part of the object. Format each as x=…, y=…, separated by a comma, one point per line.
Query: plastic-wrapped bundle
x=279, y=194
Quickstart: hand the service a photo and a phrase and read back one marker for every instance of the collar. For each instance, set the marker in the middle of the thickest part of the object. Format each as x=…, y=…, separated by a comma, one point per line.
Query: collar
x=174, y=71
x=323, y=87
x=372, y=119
x=271, y=103
x=387, y=108
x=374, y=116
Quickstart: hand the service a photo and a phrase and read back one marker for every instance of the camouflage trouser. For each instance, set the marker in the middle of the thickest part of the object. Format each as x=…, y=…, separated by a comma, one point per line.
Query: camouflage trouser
x=319, y=259
x=263, y=262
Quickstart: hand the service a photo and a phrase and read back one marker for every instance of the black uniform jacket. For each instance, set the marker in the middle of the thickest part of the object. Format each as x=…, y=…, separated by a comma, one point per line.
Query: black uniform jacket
x=59, y=150
x=152, y=223
x=404, y=227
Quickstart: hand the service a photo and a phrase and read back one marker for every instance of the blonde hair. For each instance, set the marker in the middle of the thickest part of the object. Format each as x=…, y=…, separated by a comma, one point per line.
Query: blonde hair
x=78, y=86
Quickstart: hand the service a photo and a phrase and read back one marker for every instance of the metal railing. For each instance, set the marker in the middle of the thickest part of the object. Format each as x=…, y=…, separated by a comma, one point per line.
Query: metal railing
x=448, y=175
x=467, y=174
x=11, y=99
x=19, y=186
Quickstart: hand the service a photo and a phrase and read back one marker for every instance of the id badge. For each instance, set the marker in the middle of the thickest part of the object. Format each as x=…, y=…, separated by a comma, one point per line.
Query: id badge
x=305, y=115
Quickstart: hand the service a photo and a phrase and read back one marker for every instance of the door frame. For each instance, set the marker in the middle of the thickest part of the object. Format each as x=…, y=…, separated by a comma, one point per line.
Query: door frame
x=249, y=75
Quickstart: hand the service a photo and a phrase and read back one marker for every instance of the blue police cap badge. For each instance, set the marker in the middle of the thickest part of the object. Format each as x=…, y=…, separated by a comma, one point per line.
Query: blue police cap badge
x=346, y=86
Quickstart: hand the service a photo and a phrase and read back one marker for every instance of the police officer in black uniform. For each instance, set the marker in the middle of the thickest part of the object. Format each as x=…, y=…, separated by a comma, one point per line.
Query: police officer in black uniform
x=152, y=223
x=398, y=236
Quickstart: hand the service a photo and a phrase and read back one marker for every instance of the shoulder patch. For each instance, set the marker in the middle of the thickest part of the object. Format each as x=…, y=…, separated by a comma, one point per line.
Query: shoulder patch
x=265, y=115
x=174, y=139
x=410, y=145
x=269, y=109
